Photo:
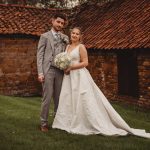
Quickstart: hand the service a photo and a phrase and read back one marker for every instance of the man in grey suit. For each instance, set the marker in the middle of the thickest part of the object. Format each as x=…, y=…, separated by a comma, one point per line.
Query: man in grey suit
x=50, y=44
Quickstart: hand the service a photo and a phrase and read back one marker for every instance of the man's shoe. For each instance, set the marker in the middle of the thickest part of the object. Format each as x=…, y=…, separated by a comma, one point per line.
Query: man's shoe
x=44, y=128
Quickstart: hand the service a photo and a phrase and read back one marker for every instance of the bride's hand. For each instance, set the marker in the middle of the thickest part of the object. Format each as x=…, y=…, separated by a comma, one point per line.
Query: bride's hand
x=67, y=71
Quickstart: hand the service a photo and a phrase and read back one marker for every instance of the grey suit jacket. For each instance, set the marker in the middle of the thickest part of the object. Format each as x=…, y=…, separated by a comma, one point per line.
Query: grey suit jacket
x=45, y=51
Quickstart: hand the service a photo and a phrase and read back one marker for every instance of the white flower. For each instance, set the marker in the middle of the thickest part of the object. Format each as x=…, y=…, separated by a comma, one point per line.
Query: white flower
x=62, y=60
x=65, y=40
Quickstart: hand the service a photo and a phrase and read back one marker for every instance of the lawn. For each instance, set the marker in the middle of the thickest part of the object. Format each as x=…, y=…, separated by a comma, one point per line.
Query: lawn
x=19, y=121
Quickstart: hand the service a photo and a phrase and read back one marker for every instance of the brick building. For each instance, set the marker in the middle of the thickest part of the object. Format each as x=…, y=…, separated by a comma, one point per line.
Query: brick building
x=20, y=28
x=117, y=36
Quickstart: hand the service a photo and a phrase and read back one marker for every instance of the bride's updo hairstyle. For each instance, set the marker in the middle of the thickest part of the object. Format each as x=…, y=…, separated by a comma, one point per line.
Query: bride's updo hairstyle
x=80, y=31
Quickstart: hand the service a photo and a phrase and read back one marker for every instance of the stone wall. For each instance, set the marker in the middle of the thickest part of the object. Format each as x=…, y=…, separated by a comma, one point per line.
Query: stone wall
x=18, y=72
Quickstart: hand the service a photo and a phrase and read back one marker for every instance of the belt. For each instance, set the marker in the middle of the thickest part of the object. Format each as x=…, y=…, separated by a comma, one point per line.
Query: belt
x=53, y=67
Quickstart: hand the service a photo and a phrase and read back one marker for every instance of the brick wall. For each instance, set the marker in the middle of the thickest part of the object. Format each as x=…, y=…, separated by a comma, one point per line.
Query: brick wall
x=144, y=77
x=18, y=72
x=103, y=68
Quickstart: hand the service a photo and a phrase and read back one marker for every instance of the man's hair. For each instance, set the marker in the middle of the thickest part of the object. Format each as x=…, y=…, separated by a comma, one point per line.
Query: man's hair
x=60, y=15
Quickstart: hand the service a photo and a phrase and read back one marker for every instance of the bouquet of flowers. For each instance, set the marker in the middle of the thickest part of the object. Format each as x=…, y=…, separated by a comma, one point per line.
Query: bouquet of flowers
x=62, y=60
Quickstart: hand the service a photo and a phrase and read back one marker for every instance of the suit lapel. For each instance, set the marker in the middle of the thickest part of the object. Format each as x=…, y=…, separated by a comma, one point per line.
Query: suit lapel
x=63, y=45
x=51, y=38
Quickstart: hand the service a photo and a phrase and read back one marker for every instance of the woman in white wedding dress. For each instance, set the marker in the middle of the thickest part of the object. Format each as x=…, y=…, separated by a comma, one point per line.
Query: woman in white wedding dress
x=83, y=109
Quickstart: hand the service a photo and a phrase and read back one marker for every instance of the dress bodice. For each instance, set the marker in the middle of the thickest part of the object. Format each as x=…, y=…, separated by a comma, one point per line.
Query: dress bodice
x=75, y=55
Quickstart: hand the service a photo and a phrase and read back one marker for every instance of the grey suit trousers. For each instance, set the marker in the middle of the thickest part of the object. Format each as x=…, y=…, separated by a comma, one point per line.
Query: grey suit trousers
x=51, y=89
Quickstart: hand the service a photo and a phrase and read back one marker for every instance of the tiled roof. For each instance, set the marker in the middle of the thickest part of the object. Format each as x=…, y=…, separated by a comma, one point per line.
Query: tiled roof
x=119, y=25
x=16, y=19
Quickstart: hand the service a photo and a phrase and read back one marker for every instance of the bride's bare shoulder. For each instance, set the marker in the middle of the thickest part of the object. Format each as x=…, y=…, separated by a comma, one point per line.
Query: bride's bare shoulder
x=82, y=47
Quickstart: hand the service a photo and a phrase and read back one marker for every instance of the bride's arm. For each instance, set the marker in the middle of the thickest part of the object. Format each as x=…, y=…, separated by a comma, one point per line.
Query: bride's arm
x=83, y=57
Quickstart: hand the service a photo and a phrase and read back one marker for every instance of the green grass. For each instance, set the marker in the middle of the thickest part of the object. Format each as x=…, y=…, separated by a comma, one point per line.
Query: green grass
x=19, y=120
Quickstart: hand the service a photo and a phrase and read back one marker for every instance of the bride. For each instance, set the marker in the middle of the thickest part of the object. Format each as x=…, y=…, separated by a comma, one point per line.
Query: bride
x=83, y=109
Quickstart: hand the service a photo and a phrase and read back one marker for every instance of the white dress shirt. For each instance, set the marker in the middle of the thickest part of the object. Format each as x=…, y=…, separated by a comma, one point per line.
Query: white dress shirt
x=55, y=34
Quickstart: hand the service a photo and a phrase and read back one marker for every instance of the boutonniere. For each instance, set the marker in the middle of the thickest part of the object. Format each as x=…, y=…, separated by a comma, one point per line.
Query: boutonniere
x=65, y=40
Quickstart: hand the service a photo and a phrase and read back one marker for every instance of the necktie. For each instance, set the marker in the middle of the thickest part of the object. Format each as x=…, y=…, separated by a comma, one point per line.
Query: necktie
x=57, y=35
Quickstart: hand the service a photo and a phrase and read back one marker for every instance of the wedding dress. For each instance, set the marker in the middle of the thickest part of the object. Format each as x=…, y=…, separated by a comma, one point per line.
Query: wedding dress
x=83, y=109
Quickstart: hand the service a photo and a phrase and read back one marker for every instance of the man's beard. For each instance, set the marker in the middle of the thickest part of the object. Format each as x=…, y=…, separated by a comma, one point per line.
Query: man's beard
x=58, y=29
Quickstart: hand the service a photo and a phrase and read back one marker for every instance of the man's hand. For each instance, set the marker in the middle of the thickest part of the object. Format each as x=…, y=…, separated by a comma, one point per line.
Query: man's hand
x=41, y=78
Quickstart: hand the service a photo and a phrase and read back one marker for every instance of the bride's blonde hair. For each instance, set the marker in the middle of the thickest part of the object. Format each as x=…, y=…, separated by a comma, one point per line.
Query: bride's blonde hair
x=80, y=31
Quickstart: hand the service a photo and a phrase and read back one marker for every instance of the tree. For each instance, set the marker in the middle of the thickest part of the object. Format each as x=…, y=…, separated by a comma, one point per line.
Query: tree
x=52, y=3
x=24, y=2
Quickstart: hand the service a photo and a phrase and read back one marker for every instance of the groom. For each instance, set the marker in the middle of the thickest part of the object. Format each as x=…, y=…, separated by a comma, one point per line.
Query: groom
x=50, y=44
